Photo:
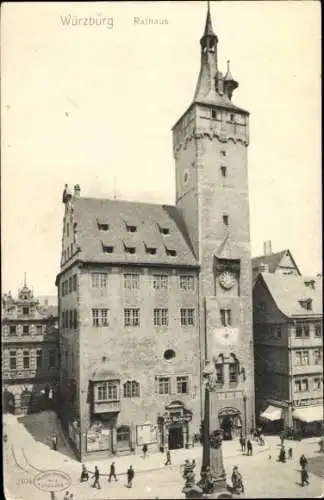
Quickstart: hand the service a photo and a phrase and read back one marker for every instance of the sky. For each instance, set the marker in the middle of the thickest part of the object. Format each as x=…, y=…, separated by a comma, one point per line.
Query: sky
x=94, y=105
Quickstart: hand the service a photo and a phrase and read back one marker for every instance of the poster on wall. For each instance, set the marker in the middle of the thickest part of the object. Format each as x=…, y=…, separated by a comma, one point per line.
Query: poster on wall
x=146, y=434
x=98, y=440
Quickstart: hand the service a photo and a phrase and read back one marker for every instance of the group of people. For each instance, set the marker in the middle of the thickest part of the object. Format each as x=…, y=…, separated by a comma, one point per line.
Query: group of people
x=112, y=475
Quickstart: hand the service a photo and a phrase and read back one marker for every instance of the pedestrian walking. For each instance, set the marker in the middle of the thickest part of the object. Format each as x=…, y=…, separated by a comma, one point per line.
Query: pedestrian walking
x=168, y=458
x=249, y=448
x=144, y=450
x=282, y=455
x=54, y=442
x=237, y=481
x=282, y=438
x=71, y=497
x=84, y=474
x=96, y=475
x=130, y=476
x=304, y=476
x=261, y=439
x=112, y=472
x=66, y=496
x=303, y=461
x=290, y=453
x=243, y=443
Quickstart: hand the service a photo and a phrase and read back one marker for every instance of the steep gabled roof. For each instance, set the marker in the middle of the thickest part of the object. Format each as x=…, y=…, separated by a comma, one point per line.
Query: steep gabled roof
x=272, y=261
x=288, y=291
x=148, y=219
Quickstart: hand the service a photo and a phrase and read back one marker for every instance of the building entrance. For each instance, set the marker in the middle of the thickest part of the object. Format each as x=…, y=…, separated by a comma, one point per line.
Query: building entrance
x=175, y=437
x=230, y=423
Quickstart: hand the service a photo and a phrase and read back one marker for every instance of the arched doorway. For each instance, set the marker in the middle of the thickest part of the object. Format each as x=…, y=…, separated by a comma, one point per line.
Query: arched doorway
x=230, y=421
x=123, y=438
x=8, y=402
x=176, y=420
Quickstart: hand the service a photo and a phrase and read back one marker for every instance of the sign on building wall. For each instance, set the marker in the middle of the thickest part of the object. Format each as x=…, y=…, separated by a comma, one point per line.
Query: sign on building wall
x=146, y=434
x=98, y=440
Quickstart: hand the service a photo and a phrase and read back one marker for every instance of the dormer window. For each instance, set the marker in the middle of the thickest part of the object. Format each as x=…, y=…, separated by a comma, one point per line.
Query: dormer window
x=232, y=117
x=225, y=220
x=131, y=229
x=306, y=304
x=25, y=311
x=103, y=227
x=310, y=284
x=107, y=248
x=150, y=250
x=164, y=230
x=224, y=171
x=130, y=249
x=171, y=252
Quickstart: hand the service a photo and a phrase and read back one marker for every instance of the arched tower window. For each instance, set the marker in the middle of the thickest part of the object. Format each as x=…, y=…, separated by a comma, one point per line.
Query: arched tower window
x=131, y=389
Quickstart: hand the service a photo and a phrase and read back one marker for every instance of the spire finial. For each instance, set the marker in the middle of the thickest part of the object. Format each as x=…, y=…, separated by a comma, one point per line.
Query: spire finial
x=25, y=279
x=208, y=26
x=228, y=65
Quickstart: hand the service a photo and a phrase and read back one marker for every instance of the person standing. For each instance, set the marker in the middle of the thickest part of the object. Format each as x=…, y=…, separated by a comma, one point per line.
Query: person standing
x=71, y=497
x=54, y=442
x=304, y=476
x=249, y=447
x=96, y=475
x=84, y=474
x=282, y=455
x=112, y=472
x=290, y=453
x=144, y=450
x=168, y=458
x=66, y=496
x=303, y=461
x=243, y=443
x=130, y=476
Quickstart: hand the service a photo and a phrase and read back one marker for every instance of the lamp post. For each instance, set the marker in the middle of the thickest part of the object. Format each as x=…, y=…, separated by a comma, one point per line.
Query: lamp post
x=245, y=422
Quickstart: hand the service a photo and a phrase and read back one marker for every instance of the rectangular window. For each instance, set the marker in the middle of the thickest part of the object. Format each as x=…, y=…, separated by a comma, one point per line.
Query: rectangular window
x=318, y=330
x=305, y=358
x=25, y=311
x=187, y=282
x=107, y=391
x=75, y=282
x=75, y=319
x=95, y=280
x=103, y=227
x=299, y=331
x=62, y=289
x=277, y=332
x=132, y=281
x=38, y=358
x=100, y=317
x=39, y=329
x=298, y=386
x=187, y=317
x=12, y=360
x=224, y=171
x=160, y=317
x=233, y=375
x=160, y=281
x=298, y=358
x=220, y=374
x=317, y=383
x=99, y=280
x=26, y=359
x=317, y=356
x=25, y=329
x=226, y=317
x=182, y=385
x=131, y=317
x=164, y=386
x=225, y=220
x=12, y=329
x=70, y=285
x=70, y=319
x=107, y=248
x=305, y=384
x=306, y=330
x=51, y=358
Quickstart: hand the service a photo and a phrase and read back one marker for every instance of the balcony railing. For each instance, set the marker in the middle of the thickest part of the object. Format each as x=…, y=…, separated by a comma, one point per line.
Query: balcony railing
x=30, y=373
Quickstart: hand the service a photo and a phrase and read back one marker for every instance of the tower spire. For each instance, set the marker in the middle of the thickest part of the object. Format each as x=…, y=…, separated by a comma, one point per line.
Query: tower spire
x=25, y=279
x=208, y=25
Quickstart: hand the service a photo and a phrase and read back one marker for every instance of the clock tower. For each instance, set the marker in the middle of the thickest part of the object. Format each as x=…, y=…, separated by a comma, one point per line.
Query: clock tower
x=210, y=142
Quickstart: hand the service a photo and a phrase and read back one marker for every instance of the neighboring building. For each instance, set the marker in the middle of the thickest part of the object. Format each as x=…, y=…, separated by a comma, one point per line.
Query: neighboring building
x=30, y=353
x=281, y=262
x=147, y=293
x=288, y=346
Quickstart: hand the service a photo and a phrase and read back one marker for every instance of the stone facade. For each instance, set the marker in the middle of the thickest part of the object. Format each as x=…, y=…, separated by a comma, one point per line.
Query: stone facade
x=133, y=354
x=30, y=353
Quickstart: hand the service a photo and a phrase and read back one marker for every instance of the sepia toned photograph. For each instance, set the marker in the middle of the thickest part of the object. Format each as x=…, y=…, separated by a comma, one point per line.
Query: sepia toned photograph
x=161, y=304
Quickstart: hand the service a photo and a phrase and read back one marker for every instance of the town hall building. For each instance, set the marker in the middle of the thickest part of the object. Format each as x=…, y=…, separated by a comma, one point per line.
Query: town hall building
x=149, y=293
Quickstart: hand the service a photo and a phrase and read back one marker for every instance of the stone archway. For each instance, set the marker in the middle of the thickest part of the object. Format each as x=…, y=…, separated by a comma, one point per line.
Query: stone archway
x=230, y=421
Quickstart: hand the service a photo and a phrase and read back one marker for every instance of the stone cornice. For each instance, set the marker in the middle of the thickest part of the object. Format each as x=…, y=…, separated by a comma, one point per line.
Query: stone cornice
x=200, y=134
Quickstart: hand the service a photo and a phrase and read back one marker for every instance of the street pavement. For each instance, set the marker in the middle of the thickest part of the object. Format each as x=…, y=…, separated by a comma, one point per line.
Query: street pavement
x=264, y=477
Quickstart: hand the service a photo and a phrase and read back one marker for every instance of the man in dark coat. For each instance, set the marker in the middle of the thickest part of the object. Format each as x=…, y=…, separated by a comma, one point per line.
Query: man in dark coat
x=144, y=449
x=303, y=461
x=130, y=476
x=304, y=476
x=249, y=447
x=242, y=443
x=96, y=475
x=168, y=458
x=112, y=472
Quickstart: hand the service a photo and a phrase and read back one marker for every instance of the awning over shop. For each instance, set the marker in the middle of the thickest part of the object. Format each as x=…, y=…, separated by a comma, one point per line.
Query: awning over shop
x=309, y=413
x=272, y=413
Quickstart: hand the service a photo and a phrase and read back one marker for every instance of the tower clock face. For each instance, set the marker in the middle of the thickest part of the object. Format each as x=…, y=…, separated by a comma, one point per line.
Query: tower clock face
x=227, y=280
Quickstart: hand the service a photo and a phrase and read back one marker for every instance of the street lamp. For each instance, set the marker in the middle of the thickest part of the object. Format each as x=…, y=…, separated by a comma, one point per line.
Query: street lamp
x=245, y=423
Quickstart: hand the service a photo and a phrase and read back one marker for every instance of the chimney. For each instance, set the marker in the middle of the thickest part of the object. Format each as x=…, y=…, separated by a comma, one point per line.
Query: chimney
x=263, y=268
x=46, y=302
x=267, y=250
x=77, y=191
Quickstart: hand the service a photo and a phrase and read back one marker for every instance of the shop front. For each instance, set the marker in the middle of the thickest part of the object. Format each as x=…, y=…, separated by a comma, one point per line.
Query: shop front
x=308, y=420
x=272, y=419
x=173, y=426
